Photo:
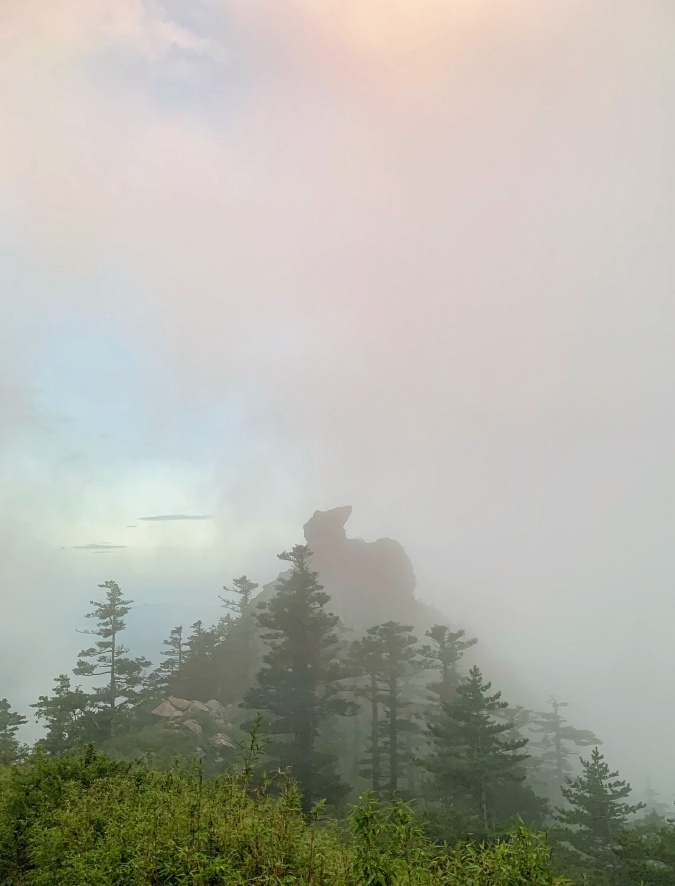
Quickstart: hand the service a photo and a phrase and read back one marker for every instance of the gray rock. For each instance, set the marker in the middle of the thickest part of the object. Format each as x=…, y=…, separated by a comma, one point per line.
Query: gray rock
x=221, y=741
x=166, y=709
x=193, y=726
x=180, y=703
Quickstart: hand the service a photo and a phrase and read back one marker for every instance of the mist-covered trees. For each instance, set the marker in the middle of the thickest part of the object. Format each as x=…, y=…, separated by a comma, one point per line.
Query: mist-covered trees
x=199, y=677
x=472, y=762
x=174, y=655
x=444, y=652
x=216, y=662
x=298, y=684
x=236, y=656
x=365, y=664
x=595, y=816
x=443, y=738
x=392, y=657
x=558, y=741
x=67, y=717
x=646, y=851
x=108, y=659
x=11, y=748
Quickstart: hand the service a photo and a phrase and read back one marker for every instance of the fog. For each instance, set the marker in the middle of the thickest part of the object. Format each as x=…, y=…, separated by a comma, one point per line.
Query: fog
x=262, y=258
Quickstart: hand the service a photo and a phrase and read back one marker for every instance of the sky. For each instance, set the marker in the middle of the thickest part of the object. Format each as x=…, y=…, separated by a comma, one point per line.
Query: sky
x=262, y=258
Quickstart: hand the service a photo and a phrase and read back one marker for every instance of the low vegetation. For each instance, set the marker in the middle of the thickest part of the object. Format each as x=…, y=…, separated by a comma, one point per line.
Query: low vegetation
x=91, y=820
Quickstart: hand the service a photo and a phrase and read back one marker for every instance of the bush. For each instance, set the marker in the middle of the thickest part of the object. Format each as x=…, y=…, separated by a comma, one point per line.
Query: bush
x=90, y=820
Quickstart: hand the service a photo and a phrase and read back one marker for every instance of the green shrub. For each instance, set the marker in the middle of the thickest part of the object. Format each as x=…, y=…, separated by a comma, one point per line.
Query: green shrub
x=90, y=820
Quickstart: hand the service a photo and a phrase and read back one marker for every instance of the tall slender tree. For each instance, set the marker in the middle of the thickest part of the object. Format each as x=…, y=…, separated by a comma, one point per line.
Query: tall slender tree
x=366, y=666
x=300, y=681
x=237, y=656
x=472, y=761
x=11, y=749
x=108, y=658
x=444, y=652
x=396, y=659
x=597, y=812
x=175, y=651
x=160, y=682
x=557, y=741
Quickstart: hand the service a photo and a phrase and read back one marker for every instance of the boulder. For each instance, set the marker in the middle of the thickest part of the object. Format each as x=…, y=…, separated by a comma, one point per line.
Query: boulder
x=193, y=726
x=196, y=707
x=166, y=709
x=215, y=706
x=180, y=703
x=221, y=741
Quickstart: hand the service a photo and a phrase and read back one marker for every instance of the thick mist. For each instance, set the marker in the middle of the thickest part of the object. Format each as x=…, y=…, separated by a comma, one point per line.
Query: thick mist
x=259, y=259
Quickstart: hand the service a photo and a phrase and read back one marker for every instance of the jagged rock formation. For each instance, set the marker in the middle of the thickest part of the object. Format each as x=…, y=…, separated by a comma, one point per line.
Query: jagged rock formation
x=202, y=719
x=369, y=582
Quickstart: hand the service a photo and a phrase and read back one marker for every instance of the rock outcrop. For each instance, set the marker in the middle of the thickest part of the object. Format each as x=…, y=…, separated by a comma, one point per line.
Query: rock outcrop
x=208, y=719
x=369, y=582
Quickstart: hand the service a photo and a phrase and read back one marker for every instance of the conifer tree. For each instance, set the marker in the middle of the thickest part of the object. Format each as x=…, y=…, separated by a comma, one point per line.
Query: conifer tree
x=444, y=652
x=235, y=657
x=68, y=717
x=198, y=678
x=11, y=749
x=597, y=812
x=646, y=850
x=243, y=589
x=366, y=663
x=107, y=658
x=557, y=739
x=300, y=679
x=175, y=653
x=472, y=762
x=160, y=682
x=657, y=810
x=396, y=658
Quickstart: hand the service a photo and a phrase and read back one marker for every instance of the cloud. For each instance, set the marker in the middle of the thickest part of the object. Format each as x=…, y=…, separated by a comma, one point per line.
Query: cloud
x=179, y=517
x=98, y=548
x=419, y=251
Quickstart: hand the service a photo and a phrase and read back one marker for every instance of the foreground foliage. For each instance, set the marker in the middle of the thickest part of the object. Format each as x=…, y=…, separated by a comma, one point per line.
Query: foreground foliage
x=89, y=820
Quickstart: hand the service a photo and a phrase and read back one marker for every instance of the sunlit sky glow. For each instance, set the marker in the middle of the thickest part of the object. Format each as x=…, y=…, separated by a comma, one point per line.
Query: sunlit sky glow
x=258, y=258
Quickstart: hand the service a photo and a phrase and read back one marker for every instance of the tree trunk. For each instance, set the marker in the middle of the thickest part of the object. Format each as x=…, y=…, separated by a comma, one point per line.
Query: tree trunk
x=483, y=806
x=374, y=734
x=393, y=735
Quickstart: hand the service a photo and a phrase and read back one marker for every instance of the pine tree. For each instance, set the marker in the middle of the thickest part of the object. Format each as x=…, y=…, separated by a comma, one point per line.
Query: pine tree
x=175, y=653
x=556, y=742
x=472, y=761
x=596, y=815
x=161, y=681
x=397, y=658
x=300, y=679
x=657, y=810
x=198, y=678
x=69, y=719
x=235, y=657
x=366, y=663
x=646, y=849
x=444, y=651
x=242, y=604
x=108, y=658
x=11, y=749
